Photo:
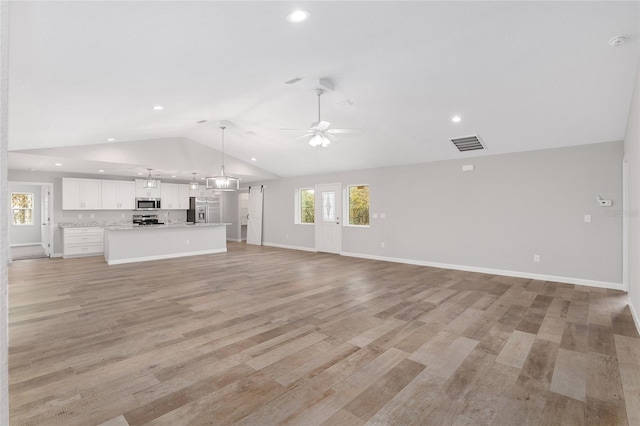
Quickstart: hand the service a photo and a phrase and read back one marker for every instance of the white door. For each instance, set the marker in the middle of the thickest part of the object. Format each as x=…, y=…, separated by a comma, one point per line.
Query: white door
x=254, y=225
x=327, y=221
x=45, y=219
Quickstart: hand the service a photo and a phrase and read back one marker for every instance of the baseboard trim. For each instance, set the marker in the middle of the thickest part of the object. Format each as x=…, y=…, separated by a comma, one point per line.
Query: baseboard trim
x=566, y=280
x=234, y=240
x=164, y=256
x=56, y=255
x=26, y=244
x=634, y=314
x=284, y=246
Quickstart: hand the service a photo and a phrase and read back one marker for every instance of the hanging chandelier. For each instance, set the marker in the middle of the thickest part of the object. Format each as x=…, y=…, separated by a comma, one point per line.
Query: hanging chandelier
x=223, y=182
x=149, y=182
x=194, y=183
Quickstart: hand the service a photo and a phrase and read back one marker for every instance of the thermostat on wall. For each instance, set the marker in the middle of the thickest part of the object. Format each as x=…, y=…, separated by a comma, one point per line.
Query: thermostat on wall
x=603, y=202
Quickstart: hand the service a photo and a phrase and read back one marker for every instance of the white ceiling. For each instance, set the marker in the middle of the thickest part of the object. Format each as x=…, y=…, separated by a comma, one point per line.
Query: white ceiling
x=522, y=75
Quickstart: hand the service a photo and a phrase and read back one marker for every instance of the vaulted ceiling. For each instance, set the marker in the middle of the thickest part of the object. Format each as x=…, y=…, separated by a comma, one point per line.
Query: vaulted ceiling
x=522, y=75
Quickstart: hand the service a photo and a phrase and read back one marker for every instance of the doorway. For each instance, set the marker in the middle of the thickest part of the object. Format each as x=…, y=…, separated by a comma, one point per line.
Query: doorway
x=328, y=209
x=30, y=230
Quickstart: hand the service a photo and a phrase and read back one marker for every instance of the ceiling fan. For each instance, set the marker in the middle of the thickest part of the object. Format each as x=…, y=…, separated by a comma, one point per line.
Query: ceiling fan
x=319, y=134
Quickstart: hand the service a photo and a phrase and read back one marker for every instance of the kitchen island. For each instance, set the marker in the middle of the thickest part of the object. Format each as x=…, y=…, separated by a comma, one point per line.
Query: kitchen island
x=127, y=244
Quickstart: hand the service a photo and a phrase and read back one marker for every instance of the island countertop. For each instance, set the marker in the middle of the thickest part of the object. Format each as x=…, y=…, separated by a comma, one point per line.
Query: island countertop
x=165, y=226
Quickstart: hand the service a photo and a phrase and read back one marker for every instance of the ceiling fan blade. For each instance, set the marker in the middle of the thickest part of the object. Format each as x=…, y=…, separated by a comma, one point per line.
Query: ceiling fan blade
x=330, y=137
x=297, y=130
x=304, y=136
x=344, y=131
x=322, y=126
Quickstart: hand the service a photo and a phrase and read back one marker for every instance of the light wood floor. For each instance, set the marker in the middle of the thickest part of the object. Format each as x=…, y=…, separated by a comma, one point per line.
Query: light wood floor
x=270, y=336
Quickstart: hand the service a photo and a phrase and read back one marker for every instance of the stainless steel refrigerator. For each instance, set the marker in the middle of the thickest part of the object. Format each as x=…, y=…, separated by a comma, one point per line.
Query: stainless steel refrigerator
x=204, y=210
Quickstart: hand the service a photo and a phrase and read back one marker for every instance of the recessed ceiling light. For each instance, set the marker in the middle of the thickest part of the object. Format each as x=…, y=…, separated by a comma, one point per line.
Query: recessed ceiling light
x=158, y=107
x=100, y=171
x=253, y=159
x=140, y=173
x=110, y=140
x=201, y=178
x=456, y=119
x=57, y=164
x=298, y=16
x=173, y=176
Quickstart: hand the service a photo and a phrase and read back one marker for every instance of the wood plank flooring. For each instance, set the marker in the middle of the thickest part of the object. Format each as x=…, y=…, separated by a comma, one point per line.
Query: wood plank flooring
x=265, y=336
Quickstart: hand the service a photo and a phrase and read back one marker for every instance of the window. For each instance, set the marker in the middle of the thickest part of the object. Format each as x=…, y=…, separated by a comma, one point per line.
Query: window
x=306, y=206
x=358, y=205
x=22, y=208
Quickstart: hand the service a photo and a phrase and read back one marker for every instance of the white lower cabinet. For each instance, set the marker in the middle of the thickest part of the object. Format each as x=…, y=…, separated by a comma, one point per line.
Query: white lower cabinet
x=85, y=241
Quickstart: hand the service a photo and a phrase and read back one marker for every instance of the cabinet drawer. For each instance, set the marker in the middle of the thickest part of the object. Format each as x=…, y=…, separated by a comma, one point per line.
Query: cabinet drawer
x=83, y=249
x=86, y=230
x=83, y=239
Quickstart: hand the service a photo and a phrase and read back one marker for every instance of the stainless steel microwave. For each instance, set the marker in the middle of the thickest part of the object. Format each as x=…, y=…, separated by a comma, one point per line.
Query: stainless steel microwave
x=147, y=203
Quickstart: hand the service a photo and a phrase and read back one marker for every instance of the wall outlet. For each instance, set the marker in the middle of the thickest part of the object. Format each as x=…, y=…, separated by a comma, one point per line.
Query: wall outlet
x=80, y=216
x=122, y=216
x=286, y=237
x=382, y=244
x=536, y=258
x=587, y=218
x=187, y=242
x=383, y=215
x=375, y=215
x=92, y=216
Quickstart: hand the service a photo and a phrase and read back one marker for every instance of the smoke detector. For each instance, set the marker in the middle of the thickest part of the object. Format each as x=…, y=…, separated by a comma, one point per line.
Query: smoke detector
x=617, y=41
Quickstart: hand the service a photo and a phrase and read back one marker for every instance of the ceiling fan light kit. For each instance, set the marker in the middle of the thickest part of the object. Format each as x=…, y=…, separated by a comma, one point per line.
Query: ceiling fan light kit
x=319, y=134
x=223, y=182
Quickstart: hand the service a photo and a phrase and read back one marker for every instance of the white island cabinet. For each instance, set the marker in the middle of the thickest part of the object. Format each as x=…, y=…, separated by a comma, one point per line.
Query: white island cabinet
x=128, y=244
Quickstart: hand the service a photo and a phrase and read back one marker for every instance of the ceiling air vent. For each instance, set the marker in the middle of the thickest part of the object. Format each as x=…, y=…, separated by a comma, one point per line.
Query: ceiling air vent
x=468, y=143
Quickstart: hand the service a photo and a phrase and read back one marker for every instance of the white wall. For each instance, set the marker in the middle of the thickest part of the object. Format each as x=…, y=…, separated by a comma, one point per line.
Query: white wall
x=632, y=157
x=27, y=234
x=497, y=217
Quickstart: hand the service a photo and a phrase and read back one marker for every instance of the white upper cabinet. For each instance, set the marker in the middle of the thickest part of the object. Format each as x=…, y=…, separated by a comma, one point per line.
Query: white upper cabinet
x=148, y=192
x=174, y=196
x=81, y=194
x=118, y=195
x=183, y=197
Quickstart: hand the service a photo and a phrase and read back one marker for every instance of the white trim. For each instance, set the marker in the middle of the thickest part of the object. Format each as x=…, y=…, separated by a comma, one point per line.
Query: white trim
x=56, y=254
x=235, y=240
x=634, y=314
x=26, y=244
x=165, y=256
x=567, y=280
x=625, y=225
x=284, y=246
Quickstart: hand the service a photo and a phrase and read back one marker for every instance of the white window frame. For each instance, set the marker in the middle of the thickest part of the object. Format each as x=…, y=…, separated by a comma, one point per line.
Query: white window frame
x=298, y=206
x=32, y=209
x=345, y=207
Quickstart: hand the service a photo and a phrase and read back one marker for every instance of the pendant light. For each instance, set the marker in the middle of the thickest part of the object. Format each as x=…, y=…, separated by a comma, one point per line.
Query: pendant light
x=149, y=182
x=194, y=183
x=223, y=182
